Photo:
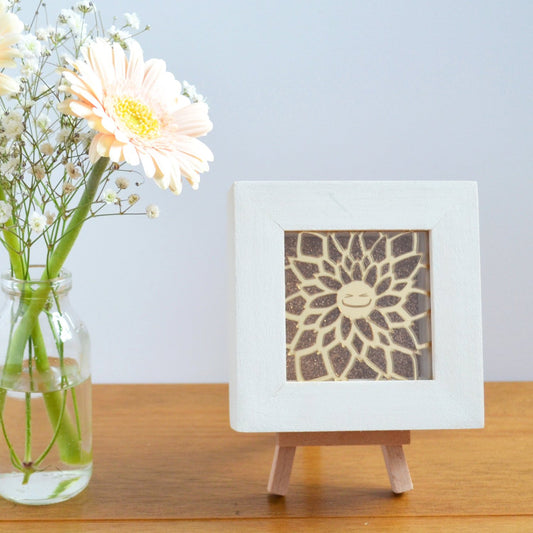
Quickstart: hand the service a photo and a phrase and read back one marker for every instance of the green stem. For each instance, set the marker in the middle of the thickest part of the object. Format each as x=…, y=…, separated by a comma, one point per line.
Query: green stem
x=67, y=439
x=76, y=411
x=76, y=222
x=69, y=445
x=13, y=245
x=27, y=450
x=20, y=337
x=55, y=435
x=15, y=461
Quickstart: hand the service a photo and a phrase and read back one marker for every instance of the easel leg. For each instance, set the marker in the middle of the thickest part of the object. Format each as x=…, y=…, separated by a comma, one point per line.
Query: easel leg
x=397, y=468
x=280, y=473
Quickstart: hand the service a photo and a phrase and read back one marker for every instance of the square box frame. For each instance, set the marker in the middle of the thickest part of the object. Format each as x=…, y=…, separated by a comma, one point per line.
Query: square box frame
x=261, y=399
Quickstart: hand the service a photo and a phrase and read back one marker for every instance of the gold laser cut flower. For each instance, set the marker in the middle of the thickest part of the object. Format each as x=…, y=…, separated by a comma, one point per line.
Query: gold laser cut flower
x=357, y=305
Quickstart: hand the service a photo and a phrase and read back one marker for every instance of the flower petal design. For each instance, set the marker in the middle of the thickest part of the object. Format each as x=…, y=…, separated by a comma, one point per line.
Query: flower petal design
x=357, y=305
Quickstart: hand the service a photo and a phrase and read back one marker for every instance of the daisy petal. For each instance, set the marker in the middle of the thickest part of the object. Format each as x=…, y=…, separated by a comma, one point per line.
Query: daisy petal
x=139, y=114
x=131, y=155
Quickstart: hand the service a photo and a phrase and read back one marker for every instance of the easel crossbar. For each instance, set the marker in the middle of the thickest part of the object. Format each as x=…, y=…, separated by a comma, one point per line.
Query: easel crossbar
x=391, y=443
x=344, y=438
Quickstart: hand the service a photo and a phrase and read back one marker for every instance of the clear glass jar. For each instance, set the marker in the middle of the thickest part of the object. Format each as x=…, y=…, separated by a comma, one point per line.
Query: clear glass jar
x=45, y=392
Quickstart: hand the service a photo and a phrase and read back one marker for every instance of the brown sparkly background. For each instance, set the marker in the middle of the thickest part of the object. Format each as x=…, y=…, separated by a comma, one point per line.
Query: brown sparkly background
x=388, y=337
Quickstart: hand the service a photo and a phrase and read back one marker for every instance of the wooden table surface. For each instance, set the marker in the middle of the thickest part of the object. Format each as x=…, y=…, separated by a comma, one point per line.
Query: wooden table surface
x=167, y=460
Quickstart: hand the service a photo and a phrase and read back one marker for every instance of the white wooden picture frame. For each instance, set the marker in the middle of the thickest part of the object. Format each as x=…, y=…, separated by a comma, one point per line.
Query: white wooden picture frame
x=262, y=399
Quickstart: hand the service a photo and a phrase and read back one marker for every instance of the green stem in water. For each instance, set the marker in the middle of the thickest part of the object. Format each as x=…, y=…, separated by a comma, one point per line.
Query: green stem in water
x=27, y=450
x=76, y=411
x=15, y=461
x=68, y=442
x=56, y=433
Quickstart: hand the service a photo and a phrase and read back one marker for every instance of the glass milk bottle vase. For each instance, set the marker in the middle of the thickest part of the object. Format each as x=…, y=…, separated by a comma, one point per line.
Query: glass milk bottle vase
x=45, y=392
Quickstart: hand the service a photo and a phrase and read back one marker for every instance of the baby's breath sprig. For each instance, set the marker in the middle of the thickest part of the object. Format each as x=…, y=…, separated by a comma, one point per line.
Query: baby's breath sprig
x=44, y=157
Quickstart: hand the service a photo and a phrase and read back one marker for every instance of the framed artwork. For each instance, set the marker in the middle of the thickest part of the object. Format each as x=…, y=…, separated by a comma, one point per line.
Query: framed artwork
x=357, y=306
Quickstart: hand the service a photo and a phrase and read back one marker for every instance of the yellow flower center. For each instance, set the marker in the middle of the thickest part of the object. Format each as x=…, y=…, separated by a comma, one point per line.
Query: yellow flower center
x=137, y=117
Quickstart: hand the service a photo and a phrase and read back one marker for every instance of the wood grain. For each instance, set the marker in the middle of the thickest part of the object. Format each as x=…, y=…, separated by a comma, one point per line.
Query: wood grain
x=165, y=457
x=397, y=469
x=344, y=438
x=413, y=524
x=280, y=473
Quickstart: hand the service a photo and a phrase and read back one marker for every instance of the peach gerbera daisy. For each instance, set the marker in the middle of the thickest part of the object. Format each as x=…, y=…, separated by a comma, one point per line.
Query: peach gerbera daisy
x=139, y=113
x=10, y=29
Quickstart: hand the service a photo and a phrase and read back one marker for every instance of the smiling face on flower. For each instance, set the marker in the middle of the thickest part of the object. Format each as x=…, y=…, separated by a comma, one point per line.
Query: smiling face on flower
x=140, y=114
x=357, y=305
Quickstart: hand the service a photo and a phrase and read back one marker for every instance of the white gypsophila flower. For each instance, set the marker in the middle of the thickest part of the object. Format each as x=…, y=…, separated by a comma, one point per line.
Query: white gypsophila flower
x=43, y=34
x=39, y=172
x=5, y=212
x=110, y=196
x=43, y=122
x=73, y=171
x=9, y=168
x=133, y=199
x=65, y=15
x=117, y=35
x=190, y=92
x=57, y=35
x=50, y=217
x=152, y=211
x=30, y=47
x=46, y=149
x=85, y=7
x=37, y=222
x=28, y=103
x=29, y=66
x=12, y=124
x=132, y=20
x=74, y=22
x=63, y=134
x=122, y=183
x=79, y=29
x=68, y=188
x=86, y=138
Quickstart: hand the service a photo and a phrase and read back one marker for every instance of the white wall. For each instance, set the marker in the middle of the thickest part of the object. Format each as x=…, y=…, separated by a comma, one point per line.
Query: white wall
x=319, y=90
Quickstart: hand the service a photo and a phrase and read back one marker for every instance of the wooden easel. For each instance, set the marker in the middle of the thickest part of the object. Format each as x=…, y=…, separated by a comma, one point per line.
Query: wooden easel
x=391, y=443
